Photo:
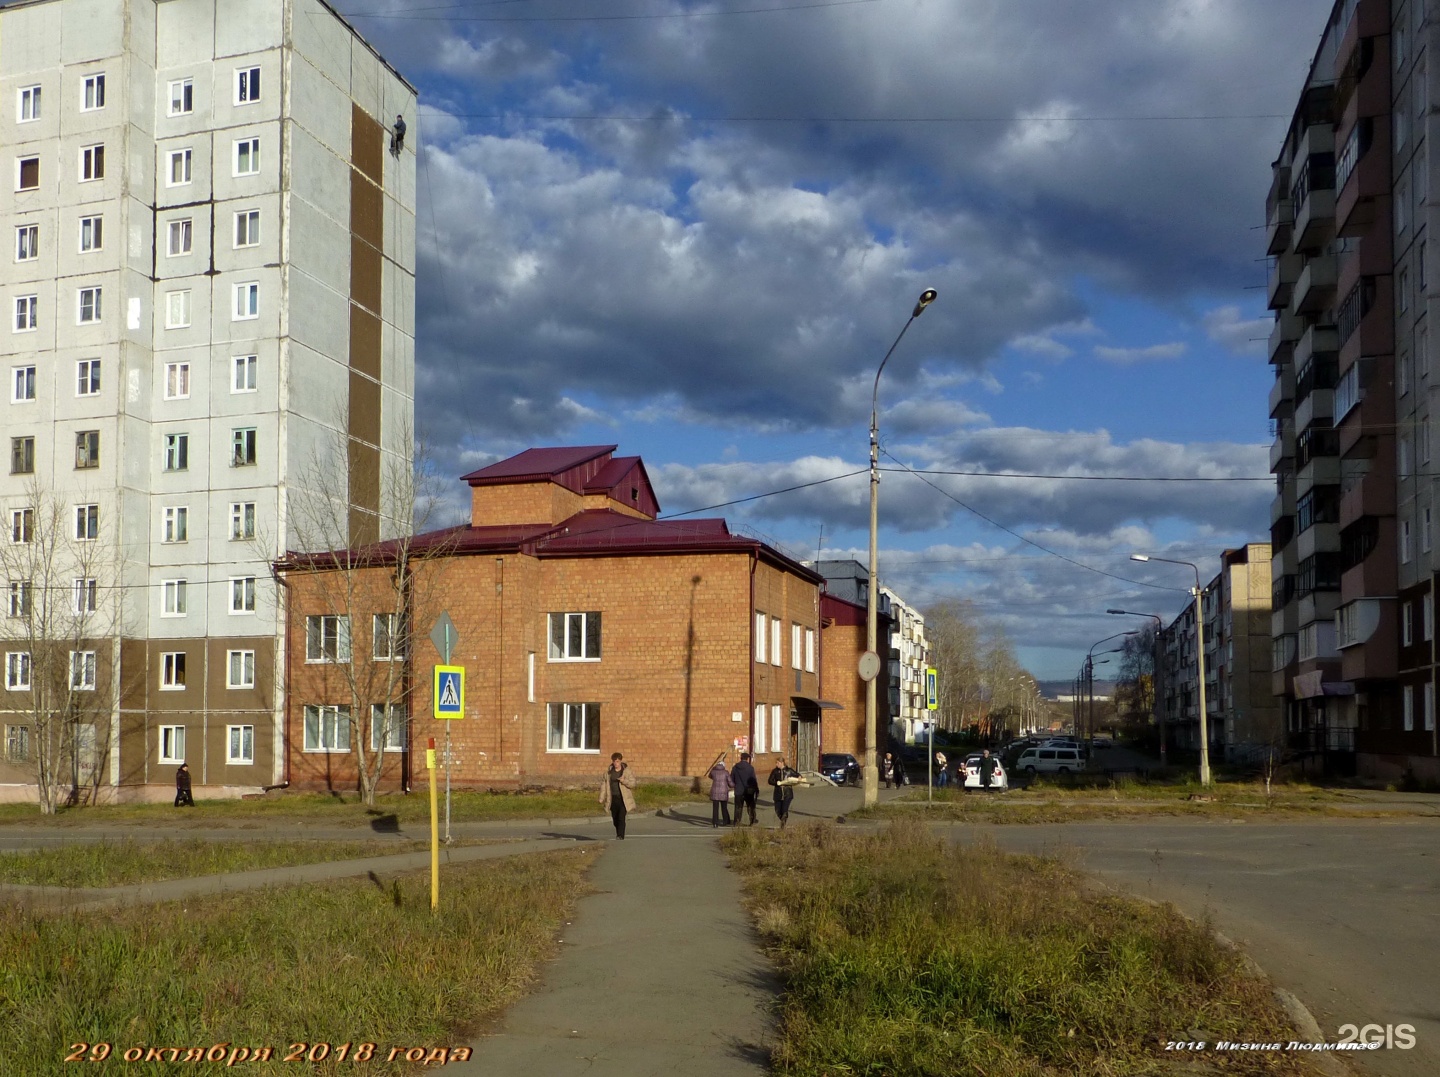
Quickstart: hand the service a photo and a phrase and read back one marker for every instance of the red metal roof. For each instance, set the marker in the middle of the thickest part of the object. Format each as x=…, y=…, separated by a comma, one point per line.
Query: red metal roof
x=540, y=465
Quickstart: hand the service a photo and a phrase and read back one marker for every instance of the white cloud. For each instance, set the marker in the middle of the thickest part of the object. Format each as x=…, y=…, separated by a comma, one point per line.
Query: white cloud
x=1152, y=353
x=1229, y=328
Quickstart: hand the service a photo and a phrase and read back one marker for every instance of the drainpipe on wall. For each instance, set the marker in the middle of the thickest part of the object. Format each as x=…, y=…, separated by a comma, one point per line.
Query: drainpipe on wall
x=282, y=742
x=750, y=656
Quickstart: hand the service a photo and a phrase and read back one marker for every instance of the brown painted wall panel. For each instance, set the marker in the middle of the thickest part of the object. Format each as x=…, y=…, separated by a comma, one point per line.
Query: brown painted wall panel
x=365, y=274
x=365, y=342
x=364, y=470
x=367, y=211
x=364, y=417
x=367, y=144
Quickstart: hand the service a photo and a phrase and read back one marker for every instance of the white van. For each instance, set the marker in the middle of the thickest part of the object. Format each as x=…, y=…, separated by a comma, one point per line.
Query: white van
x=1050, y=761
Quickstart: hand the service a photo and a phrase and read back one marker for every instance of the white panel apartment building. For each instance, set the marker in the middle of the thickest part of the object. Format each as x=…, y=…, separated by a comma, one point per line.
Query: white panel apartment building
x=207, y=270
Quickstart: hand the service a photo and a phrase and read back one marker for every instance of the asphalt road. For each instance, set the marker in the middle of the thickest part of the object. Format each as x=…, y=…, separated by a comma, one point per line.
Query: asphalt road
x=1343, y=913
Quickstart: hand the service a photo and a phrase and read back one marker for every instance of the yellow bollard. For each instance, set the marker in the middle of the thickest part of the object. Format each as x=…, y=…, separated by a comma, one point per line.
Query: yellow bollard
x=434, y=831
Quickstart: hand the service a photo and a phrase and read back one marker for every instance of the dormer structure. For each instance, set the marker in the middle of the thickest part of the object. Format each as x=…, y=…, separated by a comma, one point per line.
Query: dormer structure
x=550, y=485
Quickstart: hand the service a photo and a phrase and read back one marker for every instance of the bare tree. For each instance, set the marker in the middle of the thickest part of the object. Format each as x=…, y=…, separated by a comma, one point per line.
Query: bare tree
x=64, y=595
x=370, y=585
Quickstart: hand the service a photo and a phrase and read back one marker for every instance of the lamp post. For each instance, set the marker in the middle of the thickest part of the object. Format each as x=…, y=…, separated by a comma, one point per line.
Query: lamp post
x=1199, y=662
x=871, y=773
x=1155, y=680
x=1090, y=673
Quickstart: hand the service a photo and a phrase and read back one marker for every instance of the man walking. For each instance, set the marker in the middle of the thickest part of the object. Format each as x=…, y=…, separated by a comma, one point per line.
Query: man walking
x=747, y=788
x=615, y=792
x=784, y=780
x=987, y=770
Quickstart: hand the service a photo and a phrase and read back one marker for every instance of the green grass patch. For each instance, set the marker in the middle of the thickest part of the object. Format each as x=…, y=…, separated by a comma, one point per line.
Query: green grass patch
x=908, y=956
x=343, y=962
x=125, y=862
x=465, y=806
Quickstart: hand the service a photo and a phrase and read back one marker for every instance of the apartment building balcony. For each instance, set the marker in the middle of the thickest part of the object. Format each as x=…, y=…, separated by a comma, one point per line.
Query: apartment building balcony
x=1318, y=605
x=1285, y=621
x=1315, y=408
x=1368, y=558
x=1282, y=393
x=1367, y=486
x=1283, y=447
x=1377, y=658
x=1279, y=221
x=1314, y=290
x=1369, y=22
x=1316, y=339
x=1318, y=538
x=1288, y=329
x=1282, y=506
x=1365, y=320
x=1313, y=192
x=1285, y=270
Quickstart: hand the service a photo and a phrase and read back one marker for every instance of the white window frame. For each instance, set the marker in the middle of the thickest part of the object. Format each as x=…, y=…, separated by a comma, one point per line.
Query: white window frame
x=92, y=92
x=776, y=643
x=20, y=163
x=17, y=671
x=23, y=387
x=28, y=103
x=92, y=234
x=87, y=377
x=247, y=228
x=177, y=309
x=87, y=449
x=575, y=722
x=240, y=669
x=171, y=748
x=92, y=162
x=390, y=634
x=87, y=522
x=242, y=520
x=185, y=98
x=777, y=728
x=327, y=639
x=27, y=314
x=184, y=174
x=796, y=645
x=243, y=446
x=395, y=739
x=175, y=452
x=22, y=526
x=809, y=650
x=1429, y=713
x=20, y=598
x=1407, y=708
x=761, y=650
x=174, y=524
x=172, y=671
x=22, y=453
x=331, y=725
x=760, y=712
x=242, y=596
x=1407, y=624
x=27, y=242
x=84, y=594
x=561, y=652
x=246, y=301
x=1427, y=616
x=173, y=598
x=239, y=745
x=179, y=237
x=82, y=671
x=177, y=381
x=244, y=373
x=1405, y=543
x=246, y=152
x=247, y=84
x=92, y=297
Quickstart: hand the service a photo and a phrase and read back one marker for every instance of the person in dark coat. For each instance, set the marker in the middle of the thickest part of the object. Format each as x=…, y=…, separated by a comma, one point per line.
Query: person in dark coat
x=747, y=787
x=183, y=795
x=887, y=770
x=987, y=769
x=720, y=785
x=397, y=136
x=784, y=791
x=899, y=774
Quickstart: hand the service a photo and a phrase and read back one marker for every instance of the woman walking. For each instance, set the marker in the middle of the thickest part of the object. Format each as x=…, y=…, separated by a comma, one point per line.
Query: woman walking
x=615, y=792
x=720, y=786
x=784, y=780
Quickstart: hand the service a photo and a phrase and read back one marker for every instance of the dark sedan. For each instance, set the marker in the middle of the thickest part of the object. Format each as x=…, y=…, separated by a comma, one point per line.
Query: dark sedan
x=841, y=768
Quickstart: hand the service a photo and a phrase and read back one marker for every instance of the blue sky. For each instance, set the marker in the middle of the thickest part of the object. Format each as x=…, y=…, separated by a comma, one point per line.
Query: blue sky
x=692, y=229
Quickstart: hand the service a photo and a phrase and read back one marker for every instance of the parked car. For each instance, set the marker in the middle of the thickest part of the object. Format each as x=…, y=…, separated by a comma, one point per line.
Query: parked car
x=1050, y=760
x=1066, y=742
x=841, y=768
x=998, y=780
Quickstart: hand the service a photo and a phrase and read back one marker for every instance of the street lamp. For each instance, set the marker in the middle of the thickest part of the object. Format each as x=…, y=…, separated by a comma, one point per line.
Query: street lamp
x=871, y=773
x=1090, y=677
x=1199, y=662
x=1155, y=711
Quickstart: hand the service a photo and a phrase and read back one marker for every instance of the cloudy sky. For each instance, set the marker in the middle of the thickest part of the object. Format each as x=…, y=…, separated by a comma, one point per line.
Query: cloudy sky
x=694, y=228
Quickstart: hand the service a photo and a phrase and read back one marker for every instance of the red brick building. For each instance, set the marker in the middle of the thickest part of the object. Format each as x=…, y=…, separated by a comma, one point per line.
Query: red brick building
x=585, y=625
x=842, y=629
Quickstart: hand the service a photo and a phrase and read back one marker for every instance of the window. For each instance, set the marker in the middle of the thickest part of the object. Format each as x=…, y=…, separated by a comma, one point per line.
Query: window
x=92, y=162
x=1425, y=529
x=1404, y=367
x=87, y=377
x=1407, y=624
x=29, y=105
x=27, y=310
x=1429, y=706
x=172, y=598
x=172, y=744
x=182, y=97
x=27, y=174
x=796, y=646
x=760, y=712
x=247, y=85
x=22, y=525
x=387, y=642
x=760, y=649
x=18, y=604
x=87, y=449
x=809, y=650
x=180, y=235
x=17, y=743
x=17, y=671
x=92, y=95
x=1427, y=616
x=23, y=384
x=177, y=168
x=327, y=638
x=242, y=519
x=175, y=524
x=92, y=234
x=240, y=745
x=177, y=452
x=777, y=729
x=82, y=671
x=27, y=242
x=574, y=637
x=87, y=522
x=775, y=641
x=1403, y=456
x=1405, y=551
x=177, y=381
x=172, y=670
x=177, y=309
x=247, y=301
x=89, y=306
x=242, y=594
x=1423, y=435
x=22, y=456
x=242, y=447
x=574, y=727
x=243, y=379
x=1407, y=707
x=387, y=727
x=84, y=593
x=247, y=157
x=1402, y=289
x=247, y=228
x=327, y=729
x=241, y=669
x=1420, y=271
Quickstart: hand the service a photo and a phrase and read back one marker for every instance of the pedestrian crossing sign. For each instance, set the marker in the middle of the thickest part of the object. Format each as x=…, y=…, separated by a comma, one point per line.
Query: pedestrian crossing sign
x=449, y=692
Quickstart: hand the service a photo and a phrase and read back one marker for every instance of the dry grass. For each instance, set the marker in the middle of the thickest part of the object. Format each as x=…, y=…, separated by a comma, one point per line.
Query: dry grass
x=908, y=955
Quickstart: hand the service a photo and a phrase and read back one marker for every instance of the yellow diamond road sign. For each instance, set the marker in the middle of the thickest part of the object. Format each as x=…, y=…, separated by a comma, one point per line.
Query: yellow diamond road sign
x=449, y=694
